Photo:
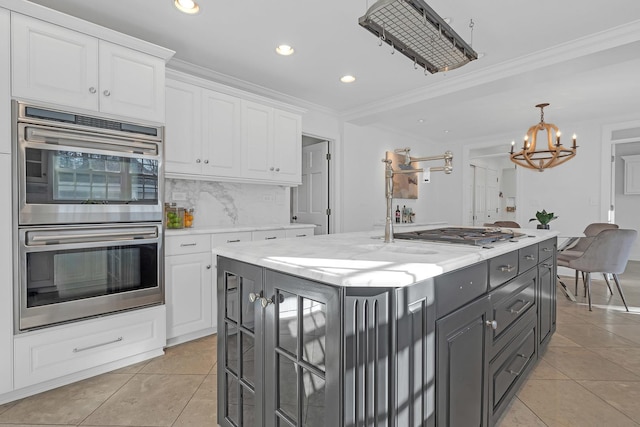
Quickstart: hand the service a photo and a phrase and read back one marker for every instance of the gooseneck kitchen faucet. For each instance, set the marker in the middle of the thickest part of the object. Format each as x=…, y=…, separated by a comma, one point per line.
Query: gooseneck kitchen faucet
x=389, y=173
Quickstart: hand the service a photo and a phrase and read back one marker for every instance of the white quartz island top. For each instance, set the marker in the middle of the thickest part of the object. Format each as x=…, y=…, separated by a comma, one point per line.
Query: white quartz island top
x=362, y=259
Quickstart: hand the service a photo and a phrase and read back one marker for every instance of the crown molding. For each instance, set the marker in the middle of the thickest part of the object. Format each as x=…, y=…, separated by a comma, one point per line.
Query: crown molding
x=248, y=89
x=588, y=45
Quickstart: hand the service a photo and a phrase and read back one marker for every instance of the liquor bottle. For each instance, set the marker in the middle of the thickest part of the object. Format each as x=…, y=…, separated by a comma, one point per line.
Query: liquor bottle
x=398, y=213
x=404, y=213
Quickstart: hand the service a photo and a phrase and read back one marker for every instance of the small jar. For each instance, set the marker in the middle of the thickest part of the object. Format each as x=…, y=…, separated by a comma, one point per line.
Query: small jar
x=188, y=218
x=174, y=217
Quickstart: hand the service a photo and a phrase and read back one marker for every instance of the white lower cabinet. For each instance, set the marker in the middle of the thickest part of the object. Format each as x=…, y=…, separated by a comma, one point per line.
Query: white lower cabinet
x=51, y=353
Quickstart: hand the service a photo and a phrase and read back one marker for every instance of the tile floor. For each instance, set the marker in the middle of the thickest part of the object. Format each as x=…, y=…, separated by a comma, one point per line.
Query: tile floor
x=589, y=376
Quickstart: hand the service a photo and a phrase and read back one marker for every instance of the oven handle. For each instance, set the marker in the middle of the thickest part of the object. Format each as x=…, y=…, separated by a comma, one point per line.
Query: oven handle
x=36, y=238
x=84, y=140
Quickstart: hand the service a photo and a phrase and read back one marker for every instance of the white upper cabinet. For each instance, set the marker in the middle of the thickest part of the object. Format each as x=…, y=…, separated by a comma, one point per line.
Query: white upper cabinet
x=59, y=66
x=271, y=143
x=220, y=134
x=213, y=135
x=183, y=144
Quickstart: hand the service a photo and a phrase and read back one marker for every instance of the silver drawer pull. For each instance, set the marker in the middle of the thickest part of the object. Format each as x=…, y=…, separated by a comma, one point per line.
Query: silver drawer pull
x=519, y=371
x=270, y=238
x=508, y=268
x=493, y=324
x=253, y=297
x=546, y=249
x=265, y=302
x=233, y=241
x=79, y=349
x=529, y=257
x=301, y=235
x=547, y=265
x=182, y=245
x=525, y=305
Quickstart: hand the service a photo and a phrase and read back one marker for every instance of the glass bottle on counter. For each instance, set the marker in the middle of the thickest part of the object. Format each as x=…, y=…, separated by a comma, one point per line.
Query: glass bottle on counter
x=174, y=217
x=188, y=218
x=397, y=213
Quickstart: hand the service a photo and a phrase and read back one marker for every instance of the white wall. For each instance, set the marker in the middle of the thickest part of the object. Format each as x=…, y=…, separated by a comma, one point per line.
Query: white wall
x=627, y=206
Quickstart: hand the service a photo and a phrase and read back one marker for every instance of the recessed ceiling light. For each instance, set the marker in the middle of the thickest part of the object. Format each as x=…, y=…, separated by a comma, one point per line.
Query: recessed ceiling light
x=347, y=79
x=446, y=131
x=284, y=50
x=421, y=120
x=187, y=6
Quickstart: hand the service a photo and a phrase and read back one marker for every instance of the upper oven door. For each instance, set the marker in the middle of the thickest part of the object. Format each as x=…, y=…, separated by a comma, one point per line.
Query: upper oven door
x=72, y=176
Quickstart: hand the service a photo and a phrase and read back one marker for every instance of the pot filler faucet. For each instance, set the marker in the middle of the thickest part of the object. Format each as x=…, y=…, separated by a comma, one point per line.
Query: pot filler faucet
x=388, y=179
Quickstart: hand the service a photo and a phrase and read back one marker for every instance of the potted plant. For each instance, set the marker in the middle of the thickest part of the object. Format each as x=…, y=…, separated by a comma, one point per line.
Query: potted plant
x=544, y=218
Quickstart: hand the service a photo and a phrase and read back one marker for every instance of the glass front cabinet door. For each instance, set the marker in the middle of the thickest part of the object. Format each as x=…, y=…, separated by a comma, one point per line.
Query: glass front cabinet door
x=279, y=349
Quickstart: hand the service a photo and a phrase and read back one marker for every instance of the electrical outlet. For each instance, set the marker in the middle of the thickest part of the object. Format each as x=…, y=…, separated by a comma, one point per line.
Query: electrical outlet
x=268, y=198
x=179, y=196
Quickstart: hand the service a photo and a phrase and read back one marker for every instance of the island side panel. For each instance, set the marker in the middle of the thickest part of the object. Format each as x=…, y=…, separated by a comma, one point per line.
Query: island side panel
x=415, y=346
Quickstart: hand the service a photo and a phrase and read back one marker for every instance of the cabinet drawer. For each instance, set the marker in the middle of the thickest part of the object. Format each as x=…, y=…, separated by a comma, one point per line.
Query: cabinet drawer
x=511, y=366
x=502, y=268
x=55, y=352
x=299, y=232
x=546, y=249
x=235, y=237
x=513, y=300
x=187, y=244
x=527, y=258
x=268, y=234
x=455, y=289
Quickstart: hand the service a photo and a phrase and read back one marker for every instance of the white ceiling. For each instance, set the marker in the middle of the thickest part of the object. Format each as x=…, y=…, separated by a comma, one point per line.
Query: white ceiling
x=581, y=57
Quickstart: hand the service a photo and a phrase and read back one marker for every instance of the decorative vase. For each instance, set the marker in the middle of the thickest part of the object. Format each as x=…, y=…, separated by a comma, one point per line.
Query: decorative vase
x=543, y=226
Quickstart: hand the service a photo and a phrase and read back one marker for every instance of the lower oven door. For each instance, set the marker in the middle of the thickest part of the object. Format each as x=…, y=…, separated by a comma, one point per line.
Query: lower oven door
x=74, y=272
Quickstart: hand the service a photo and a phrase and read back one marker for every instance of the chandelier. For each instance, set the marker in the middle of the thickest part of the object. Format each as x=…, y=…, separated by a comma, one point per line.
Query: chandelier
x=552, y=155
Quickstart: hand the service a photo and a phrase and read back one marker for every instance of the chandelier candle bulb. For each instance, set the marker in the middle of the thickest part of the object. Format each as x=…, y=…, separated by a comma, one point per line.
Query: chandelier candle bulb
x=512, y=144
x=558, y=138
x=574, y=141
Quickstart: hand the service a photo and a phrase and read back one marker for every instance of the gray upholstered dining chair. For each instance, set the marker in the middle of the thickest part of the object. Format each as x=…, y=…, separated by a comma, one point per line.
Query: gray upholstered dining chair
x=581, y=244
x=507, y=224
x=607, y=253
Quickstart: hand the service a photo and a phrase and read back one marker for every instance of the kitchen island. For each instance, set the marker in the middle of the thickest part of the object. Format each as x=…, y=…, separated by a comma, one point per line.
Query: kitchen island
x=345, y=330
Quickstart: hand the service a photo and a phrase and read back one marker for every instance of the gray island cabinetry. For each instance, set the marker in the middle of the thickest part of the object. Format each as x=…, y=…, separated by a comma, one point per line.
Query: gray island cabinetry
x=315, y=338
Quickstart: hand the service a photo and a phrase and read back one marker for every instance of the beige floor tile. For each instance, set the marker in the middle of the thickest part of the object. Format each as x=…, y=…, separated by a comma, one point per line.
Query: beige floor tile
x=565, y=316
x=593, y=336
x=202, y=408
x=628, y=358
x=65, y=405
x=147, y=400
x=38, y=425
x=195, y=358
x=630, y=332
x=518, y=415
x=566, y=403
x=622, y=395
x=583, y=364
x=559, y=340
x=6, y=406
x=544, y=371
x=131, y=369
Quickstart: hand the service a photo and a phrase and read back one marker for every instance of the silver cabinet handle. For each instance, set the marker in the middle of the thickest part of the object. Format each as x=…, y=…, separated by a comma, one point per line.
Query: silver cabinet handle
x=253, y=297
x=270, y=238
x=491, y=324
x=546, y=249
x=233, y=241
x=546, y=265
x=277, y=169
x=89, y=347
x=209, y=267
x=529, y=257
x=301, y=235
x=182, y=245
x=265, y=302
x=271, y=168
x=106, y=93
x=525, y=305
x=206, y=162
x=507, y=268
x=197, y=160
x=92, y=89
x=519, y=371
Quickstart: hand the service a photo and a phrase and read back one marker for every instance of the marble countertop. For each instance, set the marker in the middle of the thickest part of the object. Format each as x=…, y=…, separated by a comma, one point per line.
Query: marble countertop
x=362, y=259
x=234, y=229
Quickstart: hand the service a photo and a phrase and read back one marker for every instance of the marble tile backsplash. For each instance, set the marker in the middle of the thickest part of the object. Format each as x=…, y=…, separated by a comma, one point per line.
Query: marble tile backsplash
x=226, y=203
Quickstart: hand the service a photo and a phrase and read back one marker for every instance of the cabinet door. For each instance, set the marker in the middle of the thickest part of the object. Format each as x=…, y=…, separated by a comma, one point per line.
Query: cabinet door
x=287, y=147
x=188, y=293
x=6, y=264
x=183, y=140
x=257, y=141
x=53, y=64
x=302, y=352
x=131, y=83
x=547, y=300
x=240, y=344
x=220, y=134
x=462, y=366
x=5, y=82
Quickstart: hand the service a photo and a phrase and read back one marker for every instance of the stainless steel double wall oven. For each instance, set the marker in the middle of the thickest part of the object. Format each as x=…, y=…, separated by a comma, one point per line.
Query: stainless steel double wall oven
x=87, y=200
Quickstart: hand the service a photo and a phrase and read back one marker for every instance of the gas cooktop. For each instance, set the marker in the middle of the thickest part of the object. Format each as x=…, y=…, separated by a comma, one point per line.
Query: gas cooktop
x=467, y=236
